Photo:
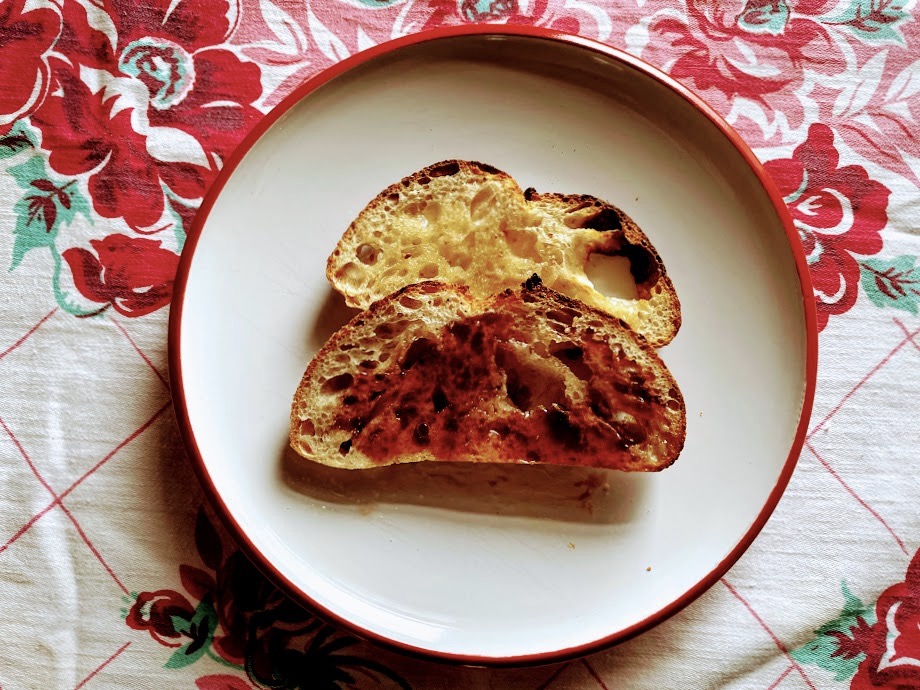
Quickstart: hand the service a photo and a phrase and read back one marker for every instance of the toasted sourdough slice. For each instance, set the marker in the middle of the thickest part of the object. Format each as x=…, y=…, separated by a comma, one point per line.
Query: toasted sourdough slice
x=468, y=223
x=434, y=373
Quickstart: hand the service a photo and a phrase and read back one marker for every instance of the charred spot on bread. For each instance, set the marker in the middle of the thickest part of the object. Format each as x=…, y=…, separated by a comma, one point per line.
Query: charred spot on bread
x=486, y=168
x=605, y=221
x=444, y=169
x=642, y=264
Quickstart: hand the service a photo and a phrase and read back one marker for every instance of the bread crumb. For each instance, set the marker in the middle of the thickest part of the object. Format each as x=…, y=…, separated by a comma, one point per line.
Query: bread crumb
x=701, y=414
x=649, y=569
x=571, y=545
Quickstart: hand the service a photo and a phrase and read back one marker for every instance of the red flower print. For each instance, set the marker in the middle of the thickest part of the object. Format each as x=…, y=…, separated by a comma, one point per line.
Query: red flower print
x=134, y=275
x=164, y=109
x=157, y=612
x=839, y=212
x=222, y=681
x=748, y=48
x=893, y=652
x=547, y=13
x=25, y=39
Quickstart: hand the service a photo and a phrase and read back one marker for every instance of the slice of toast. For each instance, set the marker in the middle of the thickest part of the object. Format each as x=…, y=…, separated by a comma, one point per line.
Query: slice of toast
x=434, y=373
x=468, y=223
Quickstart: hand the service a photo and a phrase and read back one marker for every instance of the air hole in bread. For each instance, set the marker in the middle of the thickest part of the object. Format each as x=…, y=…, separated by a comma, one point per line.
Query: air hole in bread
x=420, y=351
x=501, y=430
x=367, y=254
x=414, y=208
x=599, y=405
x=528, y=385
x=350, y=274
x=611, y=276
x=432, y=211
x=581, y=206
x=444, y=169
x=521, y=243
x=428, y=271
x=306, y=427
x=439, y=399
x=604, y=221
x=410, y=302
x=345, y=447
x=337, y=383
x=421, y=435
x=390, y=329
x=455, y=257
x=563, y=429
x=573, y=357
x=631, y=432
x=566, y=316
x=480, y=205
x=393, y=198
x=368, y=364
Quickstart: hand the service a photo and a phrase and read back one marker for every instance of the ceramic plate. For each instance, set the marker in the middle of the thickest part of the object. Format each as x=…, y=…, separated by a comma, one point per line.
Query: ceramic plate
x=481, y=564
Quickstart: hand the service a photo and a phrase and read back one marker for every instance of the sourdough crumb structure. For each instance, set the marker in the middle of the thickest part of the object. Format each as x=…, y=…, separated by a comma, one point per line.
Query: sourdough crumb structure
x=468, y=223
x=434, y=373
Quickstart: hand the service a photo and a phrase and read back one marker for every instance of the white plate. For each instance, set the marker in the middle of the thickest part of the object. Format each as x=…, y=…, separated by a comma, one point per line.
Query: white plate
x=530, y=570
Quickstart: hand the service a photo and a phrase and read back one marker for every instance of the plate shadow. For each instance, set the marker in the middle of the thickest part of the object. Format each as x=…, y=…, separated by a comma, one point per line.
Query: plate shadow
x=568, y=494
x=332, y=315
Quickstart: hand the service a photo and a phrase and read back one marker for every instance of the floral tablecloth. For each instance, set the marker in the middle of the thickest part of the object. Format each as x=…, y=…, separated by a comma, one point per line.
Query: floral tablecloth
x=116, y=115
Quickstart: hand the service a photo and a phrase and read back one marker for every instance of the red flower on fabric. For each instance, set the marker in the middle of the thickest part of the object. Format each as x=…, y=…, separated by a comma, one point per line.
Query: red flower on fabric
x=893, y=652
x=547, y=13
x=742, y=47
x=838, y=211
x=222, y=681
x=161, y=108
x=157, y=613
x=25, y=39
x=134, y=275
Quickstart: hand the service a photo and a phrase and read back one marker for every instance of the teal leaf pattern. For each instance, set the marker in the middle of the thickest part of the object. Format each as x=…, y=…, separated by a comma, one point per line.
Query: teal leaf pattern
x=765, y=17
x=873, y=21
x=17, y=140
x=200, y=628
x=837, y=645
x=892, y=282
x=48, y=203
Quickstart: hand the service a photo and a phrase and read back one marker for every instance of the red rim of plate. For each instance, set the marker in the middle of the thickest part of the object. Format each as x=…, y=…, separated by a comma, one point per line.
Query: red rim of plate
x=175, y=354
